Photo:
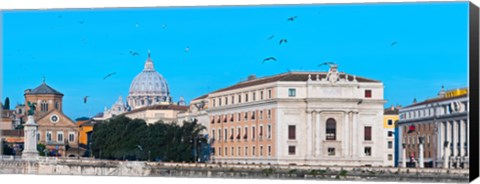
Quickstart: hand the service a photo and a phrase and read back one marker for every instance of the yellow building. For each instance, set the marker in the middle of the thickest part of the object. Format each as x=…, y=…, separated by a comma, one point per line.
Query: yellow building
x=390, y=118
x=455, y=92
x=86, y=128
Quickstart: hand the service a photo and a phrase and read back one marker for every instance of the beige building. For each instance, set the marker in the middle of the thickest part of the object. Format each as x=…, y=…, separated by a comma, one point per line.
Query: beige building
x=154, y=113
x=311, y=118
x=55, y=130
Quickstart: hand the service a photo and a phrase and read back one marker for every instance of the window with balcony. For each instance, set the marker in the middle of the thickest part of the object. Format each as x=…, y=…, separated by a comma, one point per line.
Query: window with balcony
x=331, y=129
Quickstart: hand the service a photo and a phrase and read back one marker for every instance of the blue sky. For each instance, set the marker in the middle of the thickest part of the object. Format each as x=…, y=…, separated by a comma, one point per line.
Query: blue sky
x=75, y=49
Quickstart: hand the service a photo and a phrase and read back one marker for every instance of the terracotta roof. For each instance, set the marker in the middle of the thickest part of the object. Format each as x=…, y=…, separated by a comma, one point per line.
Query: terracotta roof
x=438, y=99
x=12, y=133
x=290, y=76
x=159, y=107
x=44, y=89
x=201, y=97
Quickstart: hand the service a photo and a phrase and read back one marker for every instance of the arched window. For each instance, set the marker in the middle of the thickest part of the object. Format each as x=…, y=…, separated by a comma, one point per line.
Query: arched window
x=44, y=106
x=331, y=129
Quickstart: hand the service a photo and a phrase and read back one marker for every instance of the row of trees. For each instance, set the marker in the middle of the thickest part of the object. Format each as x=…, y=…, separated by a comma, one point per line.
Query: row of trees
x=122, y=138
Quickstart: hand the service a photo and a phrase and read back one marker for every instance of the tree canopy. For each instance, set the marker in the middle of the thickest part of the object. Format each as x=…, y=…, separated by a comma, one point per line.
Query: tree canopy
x=6, y=105
x=123, y=138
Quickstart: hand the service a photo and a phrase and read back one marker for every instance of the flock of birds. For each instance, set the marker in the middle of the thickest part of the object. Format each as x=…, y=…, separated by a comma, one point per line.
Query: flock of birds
x=187, y=49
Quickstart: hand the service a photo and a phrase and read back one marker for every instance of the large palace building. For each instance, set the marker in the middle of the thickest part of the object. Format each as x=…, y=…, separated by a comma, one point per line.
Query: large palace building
x=434, y=132
x=311, y=118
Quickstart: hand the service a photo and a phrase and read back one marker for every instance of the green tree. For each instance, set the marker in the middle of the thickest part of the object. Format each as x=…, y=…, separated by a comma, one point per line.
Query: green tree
x=7, y=150
x=6, y=105
x=41, y=149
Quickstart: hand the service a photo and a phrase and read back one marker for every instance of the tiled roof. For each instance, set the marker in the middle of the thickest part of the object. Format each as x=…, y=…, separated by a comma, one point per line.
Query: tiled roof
x=12, y=133
x=159, y=107
x=438, y=99
x=290, y=76
x=45, y=89
x=201, y=97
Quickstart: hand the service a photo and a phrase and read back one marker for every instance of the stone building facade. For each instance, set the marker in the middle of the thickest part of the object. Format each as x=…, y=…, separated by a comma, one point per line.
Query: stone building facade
x=434, y=132
x=307, y=118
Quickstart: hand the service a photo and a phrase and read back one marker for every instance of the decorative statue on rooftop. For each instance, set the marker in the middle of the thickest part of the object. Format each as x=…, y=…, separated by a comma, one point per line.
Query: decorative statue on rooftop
x=31, y=112
x=333, y=74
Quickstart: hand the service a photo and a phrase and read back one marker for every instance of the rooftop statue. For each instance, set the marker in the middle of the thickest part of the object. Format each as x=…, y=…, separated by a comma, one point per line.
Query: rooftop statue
x=31, y=112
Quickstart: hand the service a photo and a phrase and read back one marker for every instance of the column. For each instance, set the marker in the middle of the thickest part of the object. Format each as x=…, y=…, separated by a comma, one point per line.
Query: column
x=455, y=138
x=467, y=123
x=317, y=132
x=399, y=145
x=346, y=133
x=420, y=152
x=355, y=132
x=446, y=147
x=309, y=134
x=404, y=156
x=440, y=139
x=462, y=137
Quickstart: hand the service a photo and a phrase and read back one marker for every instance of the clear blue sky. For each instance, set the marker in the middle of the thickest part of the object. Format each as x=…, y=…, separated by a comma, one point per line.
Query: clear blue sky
x=229, y=43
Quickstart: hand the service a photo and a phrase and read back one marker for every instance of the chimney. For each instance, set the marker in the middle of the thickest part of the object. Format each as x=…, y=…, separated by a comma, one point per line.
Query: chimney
x=251, y=77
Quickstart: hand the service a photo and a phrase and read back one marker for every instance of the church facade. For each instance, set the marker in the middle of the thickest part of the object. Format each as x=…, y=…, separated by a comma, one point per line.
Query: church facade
x=56, y=130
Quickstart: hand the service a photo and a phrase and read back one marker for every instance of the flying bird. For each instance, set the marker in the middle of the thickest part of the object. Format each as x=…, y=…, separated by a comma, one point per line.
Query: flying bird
x=282, y=41
x=134, y=53
x=187, y=49
x=85, y=99
x=292, y=18
x=271, y=37
x=268, y=59
x=326, y=63
x=109, y=75
x=164, y=26
x=394, y=43
x=81, y=22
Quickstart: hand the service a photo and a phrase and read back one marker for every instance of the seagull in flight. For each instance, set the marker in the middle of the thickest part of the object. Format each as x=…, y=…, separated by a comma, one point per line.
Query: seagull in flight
x=85, y=99
x=327, y=63
x=292, y=18
x=109, y=75
x=394, y=43
x=282, y=41
x=268, y=59
x=134, y=53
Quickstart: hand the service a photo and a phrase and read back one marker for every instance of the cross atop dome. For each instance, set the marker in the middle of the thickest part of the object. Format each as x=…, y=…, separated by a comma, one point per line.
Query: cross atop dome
x=149, y=63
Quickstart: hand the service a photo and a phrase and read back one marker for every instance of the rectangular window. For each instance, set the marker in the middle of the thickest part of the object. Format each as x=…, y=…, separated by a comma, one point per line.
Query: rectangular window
x=246, y=150
x=269, y=131
x=245, y=116
x=291, y=132
x=213, y=103
x=261, y=114
x=253, y=133
x=253, y=151
x=253, y=96
x=390, y=145
x=219, y=151
x=219, y=135
x=291, y=150
x=246, y=97
x=390, y=122
x=213, y=133
x=331, y=151
x=239, y=98
x=239, y=151
x=71, y=137
x=368, y=133
x=261, y=95
x=269, y=150
x=38, y=136
x=233, y=151
x=368, y=151
x=261, y=150
x=269, y=114
x=238, y=133
x=232, y=133
x=226, y=151
x=233, y=99
x=368, y=93
x=225, y=136
x=292, y=92
x=390, y=157
x=226, y=101
x=246, y=133
x=390, y=133
x=60, y=136
x=269, y=94
x=239, y=117
x=260, y=133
